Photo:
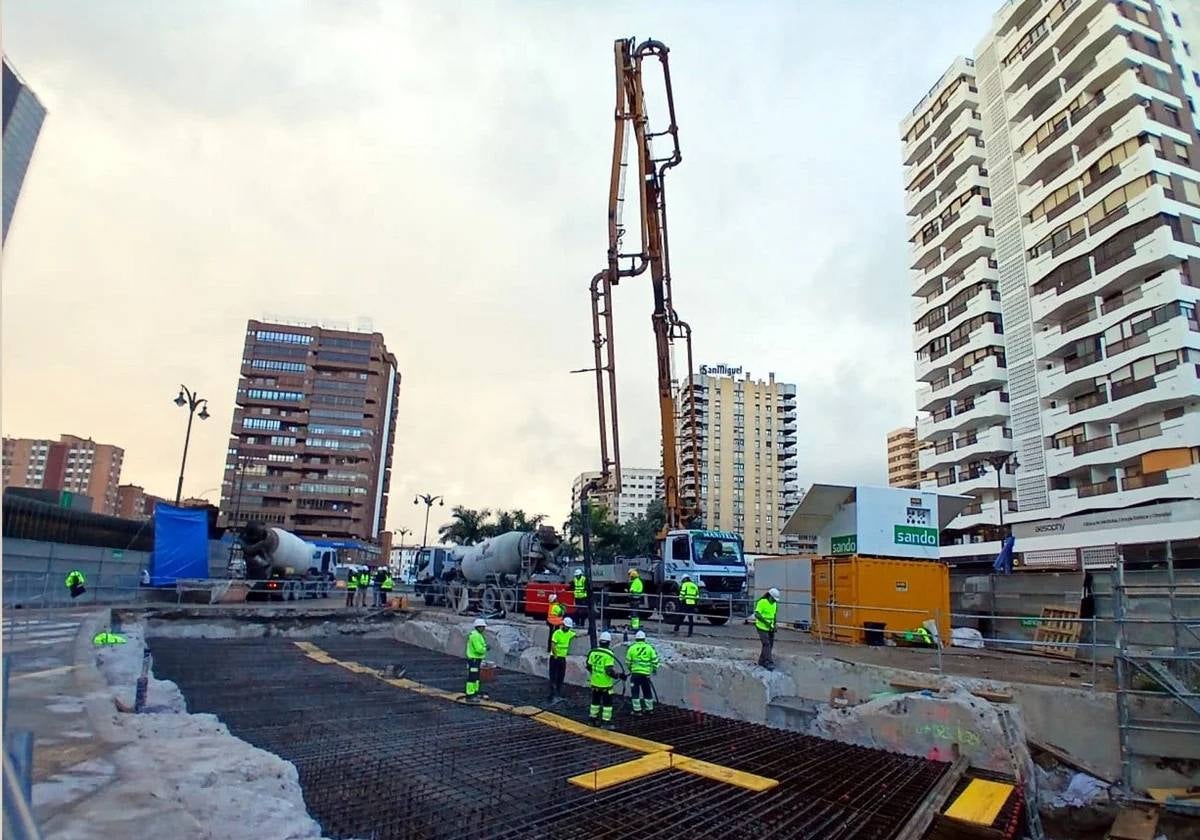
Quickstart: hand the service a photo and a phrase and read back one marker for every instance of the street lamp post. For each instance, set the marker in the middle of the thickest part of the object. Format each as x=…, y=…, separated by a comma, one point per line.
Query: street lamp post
x=193, y=401
x=998, y=462
x=428, y=500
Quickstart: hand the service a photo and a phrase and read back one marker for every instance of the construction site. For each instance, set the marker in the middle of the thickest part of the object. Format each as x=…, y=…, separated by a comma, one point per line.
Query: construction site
x=861, y=691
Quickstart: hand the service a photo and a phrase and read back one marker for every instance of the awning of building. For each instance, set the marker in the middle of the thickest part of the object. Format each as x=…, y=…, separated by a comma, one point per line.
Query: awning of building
x=823, y=500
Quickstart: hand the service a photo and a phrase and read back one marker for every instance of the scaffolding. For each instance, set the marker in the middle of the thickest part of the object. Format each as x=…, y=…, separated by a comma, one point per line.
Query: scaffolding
x=1157, y=656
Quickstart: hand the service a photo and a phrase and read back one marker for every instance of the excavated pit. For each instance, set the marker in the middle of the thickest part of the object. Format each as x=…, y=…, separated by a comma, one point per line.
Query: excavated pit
x=380, y=761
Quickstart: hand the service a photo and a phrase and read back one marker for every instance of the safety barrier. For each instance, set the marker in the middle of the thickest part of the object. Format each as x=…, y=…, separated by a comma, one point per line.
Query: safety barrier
x=1087, y=648
x=18, y=777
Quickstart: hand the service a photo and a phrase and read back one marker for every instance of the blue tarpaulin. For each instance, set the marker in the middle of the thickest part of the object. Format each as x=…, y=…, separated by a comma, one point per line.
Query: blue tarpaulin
x=180, y=544
x=1003, y=564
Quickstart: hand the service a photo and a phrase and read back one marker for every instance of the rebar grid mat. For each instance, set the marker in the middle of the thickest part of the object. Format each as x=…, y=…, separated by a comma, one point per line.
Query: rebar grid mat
x=378, y=762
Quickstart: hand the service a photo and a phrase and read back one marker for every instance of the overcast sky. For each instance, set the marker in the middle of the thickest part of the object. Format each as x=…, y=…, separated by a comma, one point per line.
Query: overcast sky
x=441, y=167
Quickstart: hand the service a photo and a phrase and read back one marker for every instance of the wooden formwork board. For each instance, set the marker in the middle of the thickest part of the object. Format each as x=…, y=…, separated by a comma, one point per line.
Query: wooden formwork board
x=1057, y=633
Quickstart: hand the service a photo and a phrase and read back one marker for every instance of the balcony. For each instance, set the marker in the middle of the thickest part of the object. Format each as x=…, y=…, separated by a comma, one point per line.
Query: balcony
x=1096, y=444
x=1137, y=482
x=1152, y=254
x=981, y=514
x=1097, y=488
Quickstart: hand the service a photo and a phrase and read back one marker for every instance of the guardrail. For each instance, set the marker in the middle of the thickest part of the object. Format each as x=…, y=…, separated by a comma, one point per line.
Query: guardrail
x=18, y=777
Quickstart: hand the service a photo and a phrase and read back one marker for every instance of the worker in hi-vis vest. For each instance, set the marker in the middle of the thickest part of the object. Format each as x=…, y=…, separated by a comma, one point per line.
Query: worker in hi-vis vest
x=477, y=648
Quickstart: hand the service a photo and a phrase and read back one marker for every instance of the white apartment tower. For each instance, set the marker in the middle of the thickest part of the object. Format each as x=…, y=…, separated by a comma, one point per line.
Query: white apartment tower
x=639, y=487
x=747, y=464
x=1053, y=194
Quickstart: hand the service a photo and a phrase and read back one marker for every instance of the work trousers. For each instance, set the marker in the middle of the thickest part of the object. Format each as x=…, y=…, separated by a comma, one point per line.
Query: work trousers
x=362, y=596
x=351, y=594
x=558, y=673
x=601, y=708
x=641, y=693
x=635, y=614
x=688, y=614
x=550, y=628
x=473, y=676
x=767, y=638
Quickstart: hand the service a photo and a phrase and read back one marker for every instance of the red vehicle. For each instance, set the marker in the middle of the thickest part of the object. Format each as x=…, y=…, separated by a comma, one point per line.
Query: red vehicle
x=537, y=597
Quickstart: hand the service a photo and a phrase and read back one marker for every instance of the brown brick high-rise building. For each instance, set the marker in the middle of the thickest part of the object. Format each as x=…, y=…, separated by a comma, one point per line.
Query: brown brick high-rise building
x=72, y=463
x=311, y=445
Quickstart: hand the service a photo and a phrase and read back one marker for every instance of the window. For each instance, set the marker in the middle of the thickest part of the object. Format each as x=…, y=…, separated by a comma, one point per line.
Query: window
x=1186, y=49
x=273, y=364
x=259, y=423
x=1196, y=77
x=1172, y=115
x=283, y=338
x=1175, y=17
x=1181, y=152
x=283, y=396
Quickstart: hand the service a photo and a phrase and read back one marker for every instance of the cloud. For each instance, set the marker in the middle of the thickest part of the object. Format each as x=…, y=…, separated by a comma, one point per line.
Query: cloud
x=443, y=169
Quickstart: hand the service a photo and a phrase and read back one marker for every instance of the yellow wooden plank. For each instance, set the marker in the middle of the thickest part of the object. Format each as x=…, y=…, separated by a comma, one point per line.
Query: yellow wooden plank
x=618, y=774
x=980, y=802
x=720, y=773
x=617, y=739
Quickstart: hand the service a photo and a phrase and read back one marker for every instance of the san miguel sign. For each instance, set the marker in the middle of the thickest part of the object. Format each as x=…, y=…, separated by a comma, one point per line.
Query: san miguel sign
x=720, y=370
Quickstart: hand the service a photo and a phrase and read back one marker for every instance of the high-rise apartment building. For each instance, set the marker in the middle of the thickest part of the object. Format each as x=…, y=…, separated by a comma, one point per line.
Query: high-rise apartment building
x=23, y=117
x=79, y=465
x=1053, y=195
x=747, y=464
x=311, y=444
x=639, y=487
x=902, y=458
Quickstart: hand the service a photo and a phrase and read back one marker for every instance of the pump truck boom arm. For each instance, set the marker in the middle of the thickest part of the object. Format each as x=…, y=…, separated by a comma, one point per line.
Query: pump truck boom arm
x=631, y=121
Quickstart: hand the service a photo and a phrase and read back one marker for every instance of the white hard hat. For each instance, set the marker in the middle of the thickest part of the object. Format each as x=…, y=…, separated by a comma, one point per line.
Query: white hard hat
x=578, y=572
x=640, y=635
x=479, y=622
x=606, y=636
x=687, y=577
x=553, y=597
x=568, y=623
x=773, y=592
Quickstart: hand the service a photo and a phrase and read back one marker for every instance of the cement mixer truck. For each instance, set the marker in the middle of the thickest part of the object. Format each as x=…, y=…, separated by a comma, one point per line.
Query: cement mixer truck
x=282, y=567
x=491, y=575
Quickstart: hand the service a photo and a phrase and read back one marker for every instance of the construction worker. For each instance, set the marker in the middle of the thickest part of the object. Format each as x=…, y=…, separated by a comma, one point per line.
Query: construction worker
x=636, y=600
x=105, y=637
x=689, y=597
x=386, y=587
x=642, y=661
x=477, y=648
x=560, y=648
x=364, y=585
x=764, y=623
x=380, y=576
x=602, y=671
x=76, y=583
x=555, y=613
x=351, y=587
x=581, y=597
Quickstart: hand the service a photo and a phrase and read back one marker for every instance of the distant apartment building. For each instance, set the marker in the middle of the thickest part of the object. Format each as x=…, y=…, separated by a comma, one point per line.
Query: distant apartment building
x=902, y=458
x=639, y=487
x=310, y=449
x=79, y=465
x=1053, y=194
x=747, y=459
x=133, y=502
x=23, y=117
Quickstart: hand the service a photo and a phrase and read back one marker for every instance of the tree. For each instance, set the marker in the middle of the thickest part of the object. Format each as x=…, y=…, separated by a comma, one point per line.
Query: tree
x=637, y=537
x=468, y=526
x=512, y=520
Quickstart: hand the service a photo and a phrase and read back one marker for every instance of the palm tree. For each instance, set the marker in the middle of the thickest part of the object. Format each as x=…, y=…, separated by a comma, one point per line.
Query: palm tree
x=468, y=526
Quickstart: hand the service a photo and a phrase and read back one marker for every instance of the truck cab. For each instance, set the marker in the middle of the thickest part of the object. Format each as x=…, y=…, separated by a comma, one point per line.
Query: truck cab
x=716, y=563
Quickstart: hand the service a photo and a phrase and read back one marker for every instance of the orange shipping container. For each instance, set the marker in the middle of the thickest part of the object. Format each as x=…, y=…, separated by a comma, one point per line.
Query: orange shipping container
x=848, y=592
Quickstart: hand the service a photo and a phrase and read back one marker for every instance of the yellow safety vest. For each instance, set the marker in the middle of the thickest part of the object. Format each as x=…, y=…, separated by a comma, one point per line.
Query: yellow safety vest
x=561, y=642
x=689, y=592
x=641, y=658
x=598, y=662
x=580, y=588
x=764, y=614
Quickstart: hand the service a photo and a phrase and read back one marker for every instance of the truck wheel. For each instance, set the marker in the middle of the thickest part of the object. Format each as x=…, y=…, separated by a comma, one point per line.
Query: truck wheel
x=670, y=609
x=718, y=620
x=508, y=600
x=490, y=602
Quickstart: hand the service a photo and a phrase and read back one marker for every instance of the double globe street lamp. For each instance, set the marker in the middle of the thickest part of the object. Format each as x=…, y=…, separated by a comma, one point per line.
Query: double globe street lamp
x=193, y=401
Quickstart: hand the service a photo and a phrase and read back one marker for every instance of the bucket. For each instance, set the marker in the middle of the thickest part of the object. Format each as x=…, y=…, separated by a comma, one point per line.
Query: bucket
x=873, y=633
x=487, y=671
